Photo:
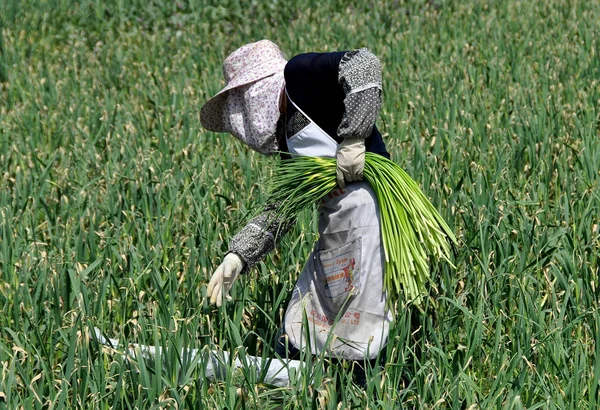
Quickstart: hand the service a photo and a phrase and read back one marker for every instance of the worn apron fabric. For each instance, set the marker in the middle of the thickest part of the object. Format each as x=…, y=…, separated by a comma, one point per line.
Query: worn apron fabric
x=338, y=304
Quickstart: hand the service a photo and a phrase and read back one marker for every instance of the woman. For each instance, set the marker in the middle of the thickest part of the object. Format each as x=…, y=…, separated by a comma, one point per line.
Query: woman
x=318, y=104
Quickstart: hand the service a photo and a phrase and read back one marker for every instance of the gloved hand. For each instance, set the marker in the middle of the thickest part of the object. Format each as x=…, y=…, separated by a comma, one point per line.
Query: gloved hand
x=223, y=278
x=350, y=161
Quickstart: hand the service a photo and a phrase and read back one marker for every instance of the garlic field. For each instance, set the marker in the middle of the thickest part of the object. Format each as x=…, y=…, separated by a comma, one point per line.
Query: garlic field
x=116, y=205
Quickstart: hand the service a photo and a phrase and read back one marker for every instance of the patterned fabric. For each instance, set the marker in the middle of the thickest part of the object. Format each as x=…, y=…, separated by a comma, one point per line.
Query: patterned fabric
x=259, y=237
x=360, y=76
x=359, y=69
x=296, y=123
x=362, y=109
x=252, y=111
x=248, y=107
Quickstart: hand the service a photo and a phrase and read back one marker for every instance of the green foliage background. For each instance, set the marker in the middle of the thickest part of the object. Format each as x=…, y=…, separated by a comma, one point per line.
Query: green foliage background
x=115, y=204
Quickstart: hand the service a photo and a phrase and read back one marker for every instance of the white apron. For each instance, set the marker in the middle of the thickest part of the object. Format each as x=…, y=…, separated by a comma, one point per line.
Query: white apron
x=338, y=303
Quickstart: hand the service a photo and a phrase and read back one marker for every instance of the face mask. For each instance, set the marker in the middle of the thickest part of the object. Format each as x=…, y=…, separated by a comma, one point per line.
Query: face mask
x=252, y=112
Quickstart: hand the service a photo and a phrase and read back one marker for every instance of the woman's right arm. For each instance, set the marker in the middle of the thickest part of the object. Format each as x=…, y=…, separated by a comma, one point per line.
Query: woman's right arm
x=259, y=237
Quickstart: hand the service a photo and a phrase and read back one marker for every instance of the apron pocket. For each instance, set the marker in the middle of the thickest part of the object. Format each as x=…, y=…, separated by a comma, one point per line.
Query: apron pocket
x=339, y=274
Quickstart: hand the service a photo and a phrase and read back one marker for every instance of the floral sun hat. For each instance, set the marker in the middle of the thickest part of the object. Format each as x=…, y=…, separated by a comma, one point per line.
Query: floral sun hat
x=248, y=106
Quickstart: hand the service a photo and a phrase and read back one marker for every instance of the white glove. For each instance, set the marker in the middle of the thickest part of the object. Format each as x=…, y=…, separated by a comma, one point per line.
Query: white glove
x=223, y=278
x=350, y=161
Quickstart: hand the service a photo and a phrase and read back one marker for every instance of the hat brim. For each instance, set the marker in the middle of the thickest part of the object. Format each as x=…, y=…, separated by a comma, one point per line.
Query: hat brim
x=216, y=104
